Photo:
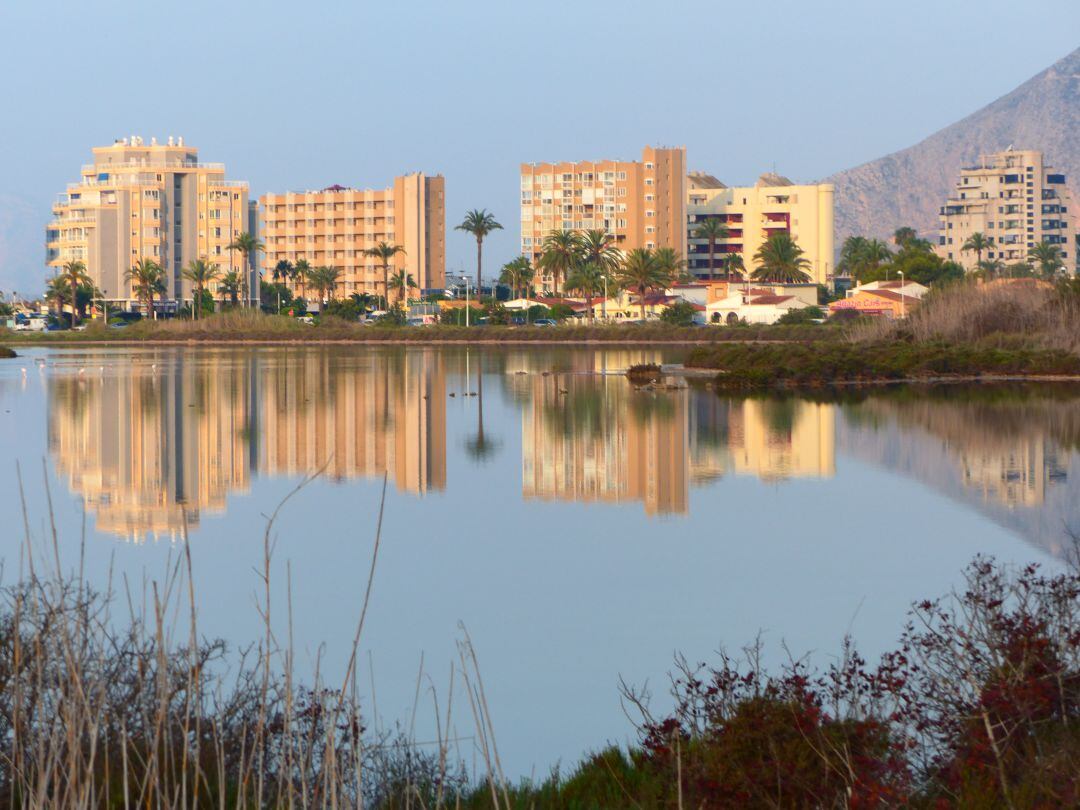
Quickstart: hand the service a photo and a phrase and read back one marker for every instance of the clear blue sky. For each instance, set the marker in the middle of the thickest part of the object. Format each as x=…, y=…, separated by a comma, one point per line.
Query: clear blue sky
x=294, y=95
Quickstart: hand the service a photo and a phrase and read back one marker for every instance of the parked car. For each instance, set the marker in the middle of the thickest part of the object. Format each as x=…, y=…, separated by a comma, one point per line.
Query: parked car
x=545, y=322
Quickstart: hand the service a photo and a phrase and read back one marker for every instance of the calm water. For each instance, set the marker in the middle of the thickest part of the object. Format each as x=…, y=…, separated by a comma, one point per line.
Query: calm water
x=579, y=529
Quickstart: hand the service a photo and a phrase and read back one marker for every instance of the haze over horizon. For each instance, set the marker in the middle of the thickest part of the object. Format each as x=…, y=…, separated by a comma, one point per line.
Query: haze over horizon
x=293, y=96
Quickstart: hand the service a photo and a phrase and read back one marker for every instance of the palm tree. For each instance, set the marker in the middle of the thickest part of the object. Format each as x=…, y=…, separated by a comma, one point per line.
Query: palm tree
x=561, y=252
x=282, y=271
x=246, y=244
x=641, y=272
x=57, y=293
x=74, y=274
x=147, y=279
x=200, y=272
x=402, y=281
x=517, y=274
x=587, y=280
x=671, y=263
x=978, y=243
x=733, y=263
x=302, y=272
x=330, y=276
x=992, y=268
x=1048, y=257
x=385, y=253
x=714, y=230
x=902, y=237
x=230, y=285
x=479, y=223
x=780, y=259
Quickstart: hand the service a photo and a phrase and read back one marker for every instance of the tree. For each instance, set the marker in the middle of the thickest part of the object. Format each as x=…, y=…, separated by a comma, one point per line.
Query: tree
x=479, y=223
x=991, y=268
x=598, y=247
x=861, y=257
x=780, y=259
x=200, y=272
x=147, y=280
x=330, y=276
x=978, y=243
x=714, y=230
x=230, y=285
x=586, y=280
x=385, y=253
x=302, y=272
x=246, y=244
x=904, y=236
x=74, y=274
x=402, y=281
x=282, y=270
x=1048, y=257
x=670, y=262
x=517, y=274
x=560, y=252
x=681, y=313
x=640, y=273
x=733, y=263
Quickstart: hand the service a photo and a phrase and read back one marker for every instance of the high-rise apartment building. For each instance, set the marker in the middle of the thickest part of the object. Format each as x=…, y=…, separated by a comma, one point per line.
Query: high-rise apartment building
x=333, y=228
x=1015, y=200
x=140, y=200
x=753, y=214
x=641, y=203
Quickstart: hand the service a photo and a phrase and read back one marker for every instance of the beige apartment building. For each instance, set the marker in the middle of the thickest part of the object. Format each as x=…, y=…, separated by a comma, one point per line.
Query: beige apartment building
x=753, y=214
x=641, y=203
x=156, y=201
x=1016, y=200
x=334, y=227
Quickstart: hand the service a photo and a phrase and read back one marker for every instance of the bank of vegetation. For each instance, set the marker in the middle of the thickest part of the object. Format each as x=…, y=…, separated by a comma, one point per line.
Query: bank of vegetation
x=250, y=325
x=961, y=330
x=978, y=706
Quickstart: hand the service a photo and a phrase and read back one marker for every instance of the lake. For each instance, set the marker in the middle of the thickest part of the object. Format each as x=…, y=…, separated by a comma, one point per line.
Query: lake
x=578, y=529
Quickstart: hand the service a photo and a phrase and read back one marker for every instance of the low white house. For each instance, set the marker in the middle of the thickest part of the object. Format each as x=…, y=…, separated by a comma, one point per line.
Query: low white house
x=753, y=306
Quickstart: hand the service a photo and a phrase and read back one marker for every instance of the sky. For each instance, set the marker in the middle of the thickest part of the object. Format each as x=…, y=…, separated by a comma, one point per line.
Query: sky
x=292, y=96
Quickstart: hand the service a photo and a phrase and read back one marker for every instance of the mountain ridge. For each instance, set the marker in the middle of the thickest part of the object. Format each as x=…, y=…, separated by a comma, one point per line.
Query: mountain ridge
x=908, y=186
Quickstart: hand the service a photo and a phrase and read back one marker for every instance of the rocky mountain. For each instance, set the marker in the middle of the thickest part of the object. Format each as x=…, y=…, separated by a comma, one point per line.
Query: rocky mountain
x=908, y=187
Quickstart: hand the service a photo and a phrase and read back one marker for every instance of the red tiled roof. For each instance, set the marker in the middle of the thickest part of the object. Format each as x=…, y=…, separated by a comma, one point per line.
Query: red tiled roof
x=769, y=298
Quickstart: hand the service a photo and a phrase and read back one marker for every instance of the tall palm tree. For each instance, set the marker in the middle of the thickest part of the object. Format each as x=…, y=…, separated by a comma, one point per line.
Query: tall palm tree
x=301, y=272
x=978, y=243
x=586, y=280
x=246, y=244
x=1048, y=257
x=561, y=252
x=733, y=263
x=714, y=230
x=670, y=262
x=516, y=274
x=57, y=293
x=282, y=271
x=329, y=277
x=385, y=253
x=902, y=237
x=230, y=286
x=402, y=281
x=200, y=272
x=780, y=259
x=147, y=279
x=74, y=273
x=479, y=223
x=641, y=272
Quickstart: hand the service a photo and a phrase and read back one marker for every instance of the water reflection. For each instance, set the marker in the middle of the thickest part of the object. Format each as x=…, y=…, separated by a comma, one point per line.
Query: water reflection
x=163, y=435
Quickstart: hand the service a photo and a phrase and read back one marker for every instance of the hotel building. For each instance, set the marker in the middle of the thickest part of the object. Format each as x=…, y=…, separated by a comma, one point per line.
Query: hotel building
x=753, y=214
x=1015, y=200
x=334, y=227
x=641, y=203
x=140, y=200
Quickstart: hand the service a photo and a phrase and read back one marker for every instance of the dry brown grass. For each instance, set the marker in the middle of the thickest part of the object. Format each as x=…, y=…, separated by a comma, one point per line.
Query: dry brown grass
x=996, y=314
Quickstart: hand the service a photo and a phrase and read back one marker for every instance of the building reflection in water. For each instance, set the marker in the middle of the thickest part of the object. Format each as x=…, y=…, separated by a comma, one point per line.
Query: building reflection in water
x=170, y=437
x=597, y=439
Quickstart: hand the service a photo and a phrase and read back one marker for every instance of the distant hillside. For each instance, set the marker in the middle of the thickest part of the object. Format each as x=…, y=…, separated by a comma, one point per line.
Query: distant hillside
x=907, y=187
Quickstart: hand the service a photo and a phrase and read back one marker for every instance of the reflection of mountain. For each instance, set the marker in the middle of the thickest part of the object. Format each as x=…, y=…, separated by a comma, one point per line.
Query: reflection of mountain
x=1009, y=453
x=148, y=445
x=599, y=440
